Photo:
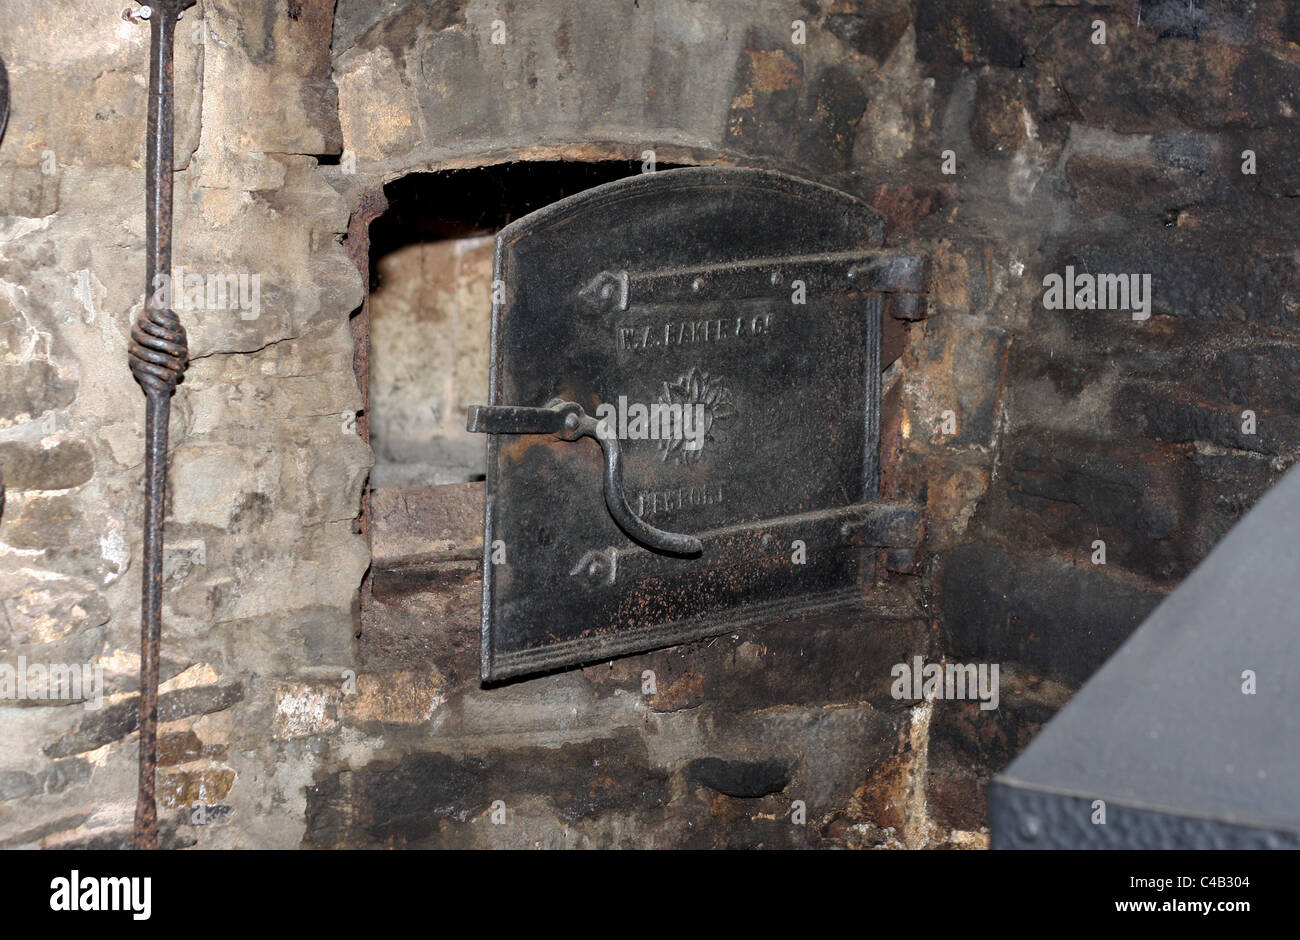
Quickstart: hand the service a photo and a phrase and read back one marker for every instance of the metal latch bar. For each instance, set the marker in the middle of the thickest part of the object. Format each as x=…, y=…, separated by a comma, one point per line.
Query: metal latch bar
x=568, y=420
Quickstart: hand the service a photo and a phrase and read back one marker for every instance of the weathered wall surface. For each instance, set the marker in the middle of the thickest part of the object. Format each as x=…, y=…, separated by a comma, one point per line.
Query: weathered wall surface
x=1067, y=426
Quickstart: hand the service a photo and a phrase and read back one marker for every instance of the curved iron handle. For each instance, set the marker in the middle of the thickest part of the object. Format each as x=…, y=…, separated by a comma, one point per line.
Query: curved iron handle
x=636, y=528
x=568, y=420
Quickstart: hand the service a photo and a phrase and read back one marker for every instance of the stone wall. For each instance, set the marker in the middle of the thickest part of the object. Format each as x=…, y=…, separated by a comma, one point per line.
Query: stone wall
x=293, y=720
x=263, y=557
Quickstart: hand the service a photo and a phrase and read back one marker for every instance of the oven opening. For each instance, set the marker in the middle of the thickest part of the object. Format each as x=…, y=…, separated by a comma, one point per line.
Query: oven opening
x=431, y=304
x=430, y=308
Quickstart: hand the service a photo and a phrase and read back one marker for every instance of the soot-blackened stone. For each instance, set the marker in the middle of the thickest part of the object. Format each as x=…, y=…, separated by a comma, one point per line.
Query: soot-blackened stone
x=739, y=778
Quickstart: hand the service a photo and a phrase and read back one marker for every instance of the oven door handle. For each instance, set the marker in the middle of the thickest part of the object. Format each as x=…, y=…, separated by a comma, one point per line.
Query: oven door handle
x=568, y=421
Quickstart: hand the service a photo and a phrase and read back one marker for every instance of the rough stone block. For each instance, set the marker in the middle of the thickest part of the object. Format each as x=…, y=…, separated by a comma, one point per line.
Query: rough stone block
x=1058, y=619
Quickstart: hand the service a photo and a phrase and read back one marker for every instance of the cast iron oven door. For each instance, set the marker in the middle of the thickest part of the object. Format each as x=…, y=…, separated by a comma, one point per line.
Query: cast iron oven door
x=753, y=301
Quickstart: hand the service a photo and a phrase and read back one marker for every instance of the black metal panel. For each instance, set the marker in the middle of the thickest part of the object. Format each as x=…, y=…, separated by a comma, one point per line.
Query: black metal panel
x=1026, y=818
x=677, y=287
x=1168, y=734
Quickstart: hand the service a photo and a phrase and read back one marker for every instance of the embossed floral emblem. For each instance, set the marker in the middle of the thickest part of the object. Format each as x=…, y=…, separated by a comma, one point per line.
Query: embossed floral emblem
x=716, y=411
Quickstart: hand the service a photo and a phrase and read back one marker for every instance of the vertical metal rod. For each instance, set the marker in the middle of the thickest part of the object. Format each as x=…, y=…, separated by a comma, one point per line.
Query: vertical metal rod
x=4, y=122
x=158, y=355
x=4, y=99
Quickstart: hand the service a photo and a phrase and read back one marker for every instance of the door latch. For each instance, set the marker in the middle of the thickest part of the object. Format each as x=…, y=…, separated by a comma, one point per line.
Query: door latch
x=569, y=422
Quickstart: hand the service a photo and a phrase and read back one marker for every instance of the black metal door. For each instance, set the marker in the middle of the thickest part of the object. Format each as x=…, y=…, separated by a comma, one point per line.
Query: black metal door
x=750, y=298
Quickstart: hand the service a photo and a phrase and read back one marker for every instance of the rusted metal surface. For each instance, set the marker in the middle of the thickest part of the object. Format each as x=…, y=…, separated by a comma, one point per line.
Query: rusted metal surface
x=569, y=422
x=756, y=297
x=158, y=355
